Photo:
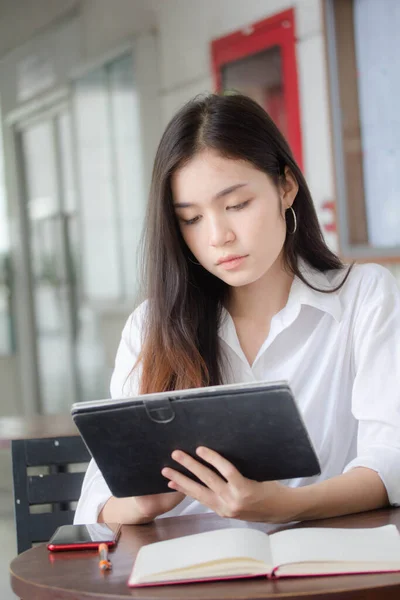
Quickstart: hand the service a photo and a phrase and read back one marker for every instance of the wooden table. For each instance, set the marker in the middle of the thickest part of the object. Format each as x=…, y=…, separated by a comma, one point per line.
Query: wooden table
x=39, y=575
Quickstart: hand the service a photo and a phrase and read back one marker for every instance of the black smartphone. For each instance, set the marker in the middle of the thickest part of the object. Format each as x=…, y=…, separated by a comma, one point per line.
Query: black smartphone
x=82, y=537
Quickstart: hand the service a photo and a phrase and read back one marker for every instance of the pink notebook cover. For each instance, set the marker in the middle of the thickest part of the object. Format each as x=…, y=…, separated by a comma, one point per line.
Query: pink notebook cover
x=272, y=575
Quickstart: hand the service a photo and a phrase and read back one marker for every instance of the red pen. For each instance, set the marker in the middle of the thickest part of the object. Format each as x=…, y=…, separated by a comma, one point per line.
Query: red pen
x=104, y=563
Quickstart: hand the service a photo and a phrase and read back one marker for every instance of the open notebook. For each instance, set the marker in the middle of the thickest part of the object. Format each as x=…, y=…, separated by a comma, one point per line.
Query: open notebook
x=238, y=553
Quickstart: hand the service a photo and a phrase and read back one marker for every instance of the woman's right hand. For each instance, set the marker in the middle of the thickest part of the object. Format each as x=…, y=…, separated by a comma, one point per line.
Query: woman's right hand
x=138, y=509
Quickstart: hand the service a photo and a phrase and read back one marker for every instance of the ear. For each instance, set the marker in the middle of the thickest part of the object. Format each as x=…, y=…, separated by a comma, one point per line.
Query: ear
x=289, y=189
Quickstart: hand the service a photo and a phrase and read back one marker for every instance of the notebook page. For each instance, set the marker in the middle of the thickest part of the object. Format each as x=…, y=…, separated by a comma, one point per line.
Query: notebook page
x=375, y=544
x=183, y=552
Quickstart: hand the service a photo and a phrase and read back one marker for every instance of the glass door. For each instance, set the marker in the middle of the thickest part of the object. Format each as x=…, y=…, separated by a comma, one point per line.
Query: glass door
x=6, y=322
x=53, y=268
x=70, y=361
x=83, y=254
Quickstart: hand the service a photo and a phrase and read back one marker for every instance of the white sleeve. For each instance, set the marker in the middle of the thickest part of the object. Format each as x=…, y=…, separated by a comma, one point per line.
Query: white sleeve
x=95, y=492
x=376, y=389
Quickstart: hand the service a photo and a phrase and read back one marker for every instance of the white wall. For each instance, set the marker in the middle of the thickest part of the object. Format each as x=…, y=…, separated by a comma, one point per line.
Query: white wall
x=105, y=23
x=21, y=19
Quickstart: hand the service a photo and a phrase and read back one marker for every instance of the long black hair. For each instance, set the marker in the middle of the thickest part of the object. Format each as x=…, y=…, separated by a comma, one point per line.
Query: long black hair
x=181, y=345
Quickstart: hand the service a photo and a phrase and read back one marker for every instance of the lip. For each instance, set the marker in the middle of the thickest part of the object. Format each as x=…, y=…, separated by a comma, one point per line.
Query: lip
x=231, y=261
x=229, y=258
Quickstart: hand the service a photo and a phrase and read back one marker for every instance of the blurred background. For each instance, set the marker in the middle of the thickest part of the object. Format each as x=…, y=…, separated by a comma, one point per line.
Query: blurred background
x=86, y=88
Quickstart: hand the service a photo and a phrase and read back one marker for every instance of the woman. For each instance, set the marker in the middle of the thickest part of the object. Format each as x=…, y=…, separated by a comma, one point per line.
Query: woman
x=240, y=287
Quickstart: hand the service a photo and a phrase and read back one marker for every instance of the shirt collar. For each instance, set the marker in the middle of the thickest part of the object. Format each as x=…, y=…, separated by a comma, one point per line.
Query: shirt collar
x=301, y=293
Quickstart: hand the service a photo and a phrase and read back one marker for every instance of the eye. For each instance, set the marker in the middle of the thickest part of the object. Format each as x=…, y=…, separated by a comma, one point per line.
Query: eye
x=190, y=221
x=239, y=206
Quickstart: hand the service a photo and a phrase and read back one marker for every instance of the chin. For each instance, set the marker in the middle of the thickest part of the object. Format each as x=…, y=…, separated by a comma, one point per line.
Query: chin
x=239, y=279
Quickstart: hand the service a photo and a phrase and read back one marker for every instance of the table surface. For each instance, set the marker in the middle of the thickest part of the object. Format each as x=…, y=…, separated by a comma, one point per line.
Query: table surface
x=35, y=426
x=39, y=575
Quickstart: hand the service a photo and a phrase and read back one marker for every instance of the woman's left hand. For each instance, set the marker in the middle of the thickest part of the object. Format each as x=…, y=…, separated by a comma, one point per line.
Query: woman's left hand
x=232, y=495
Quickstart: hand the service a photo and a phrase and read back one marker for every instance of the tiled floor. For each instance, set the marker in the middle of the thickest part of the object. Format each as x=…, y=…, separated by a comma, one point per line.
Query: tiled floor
x=7, y=530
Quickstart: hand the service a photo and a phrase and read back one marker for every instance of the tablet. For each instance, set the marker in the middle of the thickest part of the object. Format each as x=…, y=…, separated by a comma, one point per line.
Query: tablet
x=256, y=426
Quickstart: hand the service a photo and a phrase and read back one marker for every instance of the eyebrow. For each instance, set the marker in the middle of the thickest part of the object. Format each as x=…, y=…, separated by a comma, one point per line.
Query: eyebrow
x=221, y=194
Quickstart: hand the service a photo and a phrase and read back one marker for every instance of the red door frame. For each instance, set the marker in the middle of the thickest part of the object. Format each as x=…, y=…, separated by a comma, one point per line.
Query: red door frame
x=278, y=30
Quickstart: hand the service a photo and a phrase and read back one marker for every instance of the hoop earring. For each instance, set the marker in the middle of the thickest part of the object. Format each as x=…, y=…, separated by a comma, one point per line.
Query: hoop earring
x=194, y=261
x=294, y=220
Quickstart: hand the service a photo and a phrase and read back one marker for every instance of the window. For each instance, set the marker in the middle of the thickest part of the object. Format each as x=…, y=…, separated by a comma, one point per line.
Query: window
x=364, y=65
x=50, y=220
x=260, y=61
x=6, y=331
x=111, y=179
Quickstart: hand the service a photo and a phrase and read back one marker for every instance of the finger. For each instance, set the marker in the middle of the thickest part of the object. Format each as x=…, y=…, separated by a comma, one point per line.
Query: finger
x=207, y=476
x=187, y=486
x=223, y=466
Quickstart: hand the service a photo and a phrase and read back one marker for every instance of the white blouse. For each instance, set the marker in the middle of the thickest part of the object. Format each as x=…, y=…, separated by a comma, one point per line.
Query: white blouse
x=340, y=353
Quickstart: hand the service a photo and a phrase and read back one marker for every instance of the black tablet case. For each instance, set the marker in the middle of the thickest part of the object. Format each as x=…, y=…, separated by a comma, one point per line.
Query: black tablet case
x=259, y=430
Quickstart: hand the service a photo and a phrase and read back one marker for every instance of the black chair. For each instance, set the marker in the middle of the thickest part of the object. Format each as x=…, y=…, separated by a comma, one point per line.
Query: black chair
x=57, y=486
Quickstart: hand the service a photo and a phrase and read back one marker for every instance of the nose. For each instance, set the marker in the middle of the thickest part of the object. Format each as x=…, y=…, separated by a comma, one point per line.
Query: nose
x=220, y=232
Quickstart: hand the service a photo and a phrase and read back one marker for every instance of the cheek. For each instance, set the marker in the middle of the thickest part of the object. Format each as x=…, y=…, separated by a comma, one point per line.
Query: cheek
x=186, y=235
x=191, y=239
x=266, y=225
